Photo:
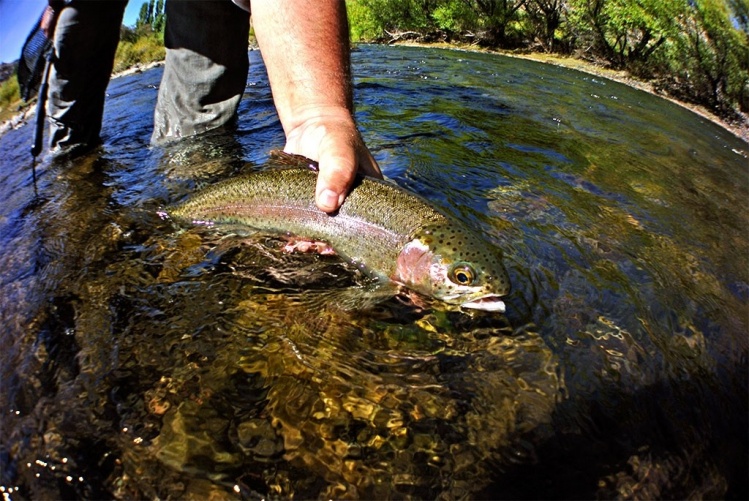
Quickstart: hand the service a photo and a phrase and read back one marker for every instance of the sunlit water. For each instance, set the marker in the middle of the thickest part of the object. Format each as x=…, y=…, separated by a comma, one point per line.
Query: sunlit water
x=141, y=360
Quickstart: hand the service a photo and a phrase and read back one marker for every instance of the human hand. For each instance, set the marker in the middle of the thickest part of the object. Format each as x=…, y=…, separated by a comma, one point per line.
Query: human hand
x=49, y=17
x=330, y=137
x=47, y=24
x=305, y=46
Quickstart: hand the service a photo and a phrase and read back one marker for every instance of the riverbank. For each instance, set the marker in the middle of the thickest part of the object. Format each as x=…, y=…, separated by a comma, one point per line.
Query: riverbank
x=739, y=128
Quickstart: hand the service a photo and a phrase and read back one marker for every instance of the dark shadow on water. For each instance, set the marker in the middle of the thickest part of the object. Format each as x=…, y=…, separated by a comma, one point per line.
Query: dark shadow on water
x=638, y=445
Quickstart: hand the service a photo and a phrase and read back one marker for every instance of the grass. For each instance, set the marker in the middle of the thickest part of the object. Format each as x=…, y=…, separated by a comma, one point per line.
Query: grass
x=10, y=98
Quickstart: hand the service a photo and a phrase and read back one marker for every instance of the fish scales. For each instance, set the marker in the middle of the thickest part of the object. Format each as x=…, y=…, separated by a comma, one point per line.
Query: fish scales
x=375, y=222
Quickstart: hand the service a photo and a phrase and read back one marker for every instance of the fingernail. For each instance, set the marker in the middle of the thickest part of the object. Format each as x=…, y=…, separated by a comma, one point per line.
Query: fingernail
x=328, y=200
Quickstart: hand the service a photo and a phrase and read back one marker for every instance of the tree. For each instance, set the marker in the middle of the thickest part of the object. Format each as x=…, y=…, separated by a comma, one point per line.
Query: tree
x=398, y=15
x=496, y=16
x=627, y=32
x=144, y=16
x=711, y=56
x=151, y=18
x=158, y=17
x=546, y=17
x=455, y=17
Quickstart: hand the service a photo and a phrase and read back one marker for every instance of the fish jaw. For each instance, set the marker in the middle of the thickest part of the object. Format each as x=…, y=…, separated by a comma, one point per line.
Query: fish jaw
x=490, y=302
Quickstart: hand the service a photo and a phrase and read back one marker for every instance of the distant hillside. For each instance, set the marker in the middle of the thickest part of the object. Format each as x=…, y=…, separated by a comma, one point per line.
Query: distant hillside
x=7, y=69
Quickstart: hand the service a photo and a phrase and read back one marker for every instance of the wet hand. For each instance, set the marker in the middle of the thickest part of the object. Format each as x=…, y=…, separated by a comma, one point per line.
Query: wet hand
x=49, y=20
x=331, y=137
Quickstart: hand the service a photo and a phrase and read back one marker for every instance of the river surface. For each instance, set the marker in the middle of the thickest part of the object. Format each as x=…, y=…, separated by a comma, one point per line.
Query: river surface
x=143, y=360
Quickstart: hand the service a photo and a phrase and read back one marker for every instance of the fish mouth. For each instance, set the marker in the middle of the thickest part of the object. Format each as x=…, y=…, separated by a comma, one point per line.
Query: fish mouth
x=490, y=302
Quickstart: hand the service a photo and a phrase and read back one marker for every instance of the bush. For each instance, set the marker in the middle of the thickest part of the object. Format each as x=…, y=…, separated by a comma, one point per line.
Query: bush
x=362, y=23
x=10, y=94
x=144, y=50
x=373, y=19
x=455, y=17
x=708, y=62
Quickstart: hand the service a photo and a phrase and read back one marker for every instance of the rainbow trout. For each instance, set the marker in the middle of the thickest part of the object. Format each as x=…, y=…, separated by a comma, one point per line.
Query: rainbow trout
x=381, y=228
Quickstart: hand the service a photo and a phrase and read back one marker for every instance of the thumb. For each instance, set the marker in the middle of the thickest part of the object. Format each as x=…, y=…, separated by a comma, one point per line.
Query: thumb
x=337, y=173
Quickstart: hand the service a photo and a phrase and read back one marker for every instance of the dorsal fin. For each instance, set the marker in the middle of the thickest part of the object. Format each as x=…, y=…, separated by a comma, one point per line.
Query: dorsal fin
x=291, y=160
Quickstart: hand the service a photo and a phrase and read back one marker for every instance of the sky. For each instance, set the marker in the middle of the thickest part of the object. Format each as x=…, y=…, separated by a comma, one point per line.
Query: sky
x=17, y=18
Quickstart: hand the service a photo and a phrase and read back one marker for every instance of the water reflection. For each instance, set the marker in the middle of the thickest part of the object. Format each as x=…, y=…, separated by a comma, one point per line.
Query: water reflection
x=144, y=360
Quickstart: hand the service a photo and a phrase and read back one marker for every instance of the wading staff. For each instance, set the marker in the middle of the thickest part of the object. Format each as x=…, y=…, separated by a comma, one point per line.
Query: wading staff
x=36, y=148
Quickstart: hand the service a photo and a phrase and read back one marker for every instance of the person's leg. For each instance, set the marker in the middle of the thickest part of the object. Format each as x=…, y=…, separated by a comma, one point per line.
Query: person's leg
x=85, y=42
x=206, y=67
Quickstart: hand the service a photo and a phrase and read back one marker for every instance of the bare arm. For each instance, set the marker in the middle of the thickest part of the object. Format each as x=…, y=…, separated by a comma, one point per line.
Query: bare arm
x=306, y=51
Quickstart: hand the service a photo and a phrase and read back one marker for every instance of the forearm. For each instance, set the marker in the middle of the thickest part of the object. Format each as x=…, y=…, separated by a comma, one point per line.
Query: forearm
x=306, y=52
x=305, y=47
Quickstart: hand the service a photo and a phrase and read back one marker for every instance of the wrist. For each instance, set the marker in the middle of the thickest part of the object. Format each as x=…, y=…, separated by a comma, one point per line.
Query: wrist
x=325, y=115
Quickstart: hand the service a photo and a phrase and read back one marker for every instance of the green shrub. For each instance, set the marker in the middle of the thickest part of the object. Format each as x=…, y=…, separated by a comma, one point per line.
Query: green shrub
x=455, y=16
x=710, y=57
x=362, y=24
x=10, y=94
x=143, y=50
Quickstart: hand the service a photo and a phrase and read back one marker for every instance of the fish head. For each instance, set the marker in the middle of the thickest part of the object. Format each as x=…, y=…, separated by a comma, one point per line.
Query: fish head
x=453, y=265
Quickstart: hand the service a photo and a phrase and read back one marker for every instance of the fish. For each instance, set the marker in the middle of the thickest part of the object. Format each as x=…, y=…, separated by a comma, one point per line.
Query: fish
x=388, y=232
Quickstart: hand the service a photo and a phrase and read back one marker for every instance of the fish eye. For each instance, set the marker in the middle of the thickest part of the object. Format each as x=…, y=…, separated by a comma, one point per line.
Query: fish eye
x=462, y=274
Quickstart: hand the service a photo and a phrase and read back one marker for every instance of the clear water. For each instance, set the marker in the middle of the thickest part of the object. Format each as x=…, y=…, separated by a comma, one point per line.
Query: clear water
x=140, y=360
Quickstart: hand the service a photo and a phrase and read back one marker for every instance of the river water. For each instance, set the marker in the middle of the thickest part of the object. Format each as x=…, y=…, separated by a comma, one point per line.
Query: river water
x=141, y=360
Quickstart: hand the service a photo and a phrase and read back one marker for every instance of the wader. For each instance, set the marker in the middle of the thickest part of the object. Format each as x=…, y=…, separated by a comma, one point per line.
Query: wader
x=204, y=76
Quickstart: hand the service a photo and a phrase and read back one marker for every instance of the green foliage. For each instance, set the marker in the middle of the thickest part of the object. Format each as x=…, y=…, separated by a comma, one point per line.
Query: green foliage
x=10, y=94
x=496, y=17
x=151, y=16
x=545, y=18
x=696, y=49
x=158, y=17
x=626, y=32
x=455, y=16
x=144, y=16
x=710, y=57
x=144, y=43
x=143, y=50
x=491, y=20
x=399, y=15
x=363, y=24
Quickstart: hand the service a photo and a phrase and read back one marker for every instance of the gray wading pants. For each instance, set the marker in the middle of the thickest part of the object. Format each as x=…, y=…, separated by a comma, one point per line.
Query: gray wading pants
x=85, y=41
x=204, y=76
x=206, y=67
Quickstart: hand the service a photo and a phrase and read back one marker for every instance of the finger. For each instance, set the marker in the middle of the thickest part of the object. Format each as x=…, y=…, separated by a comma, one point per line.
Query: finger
x=337, y=173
